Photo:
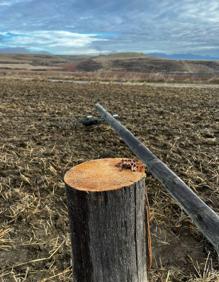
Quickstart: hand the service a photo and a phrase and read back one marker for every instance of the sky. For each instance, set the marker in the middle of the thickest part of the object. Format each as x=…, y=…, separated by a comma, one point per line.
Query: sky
x=97, y=26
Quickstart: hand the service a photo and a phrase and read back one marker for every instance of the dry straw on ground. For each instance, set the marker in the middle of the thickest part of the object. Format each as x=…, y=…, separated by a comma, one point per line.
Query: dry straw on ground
x=41, y=138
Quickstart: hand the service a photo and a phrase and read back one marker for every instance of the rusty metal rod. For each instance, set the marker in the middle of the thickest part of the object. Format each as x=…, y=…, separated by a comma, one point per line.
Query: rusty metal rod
x=201, y=214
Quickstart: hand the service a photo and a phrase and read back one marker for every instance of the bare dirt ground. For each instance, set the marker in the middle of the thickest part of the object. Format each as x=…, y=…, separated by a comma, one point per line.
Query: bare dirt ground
x=41, y=138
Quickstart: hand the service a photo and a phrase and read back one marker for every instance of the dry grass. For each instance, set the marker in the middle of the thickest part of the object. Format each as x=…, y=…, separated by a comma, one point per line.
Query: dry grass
x=41, y=138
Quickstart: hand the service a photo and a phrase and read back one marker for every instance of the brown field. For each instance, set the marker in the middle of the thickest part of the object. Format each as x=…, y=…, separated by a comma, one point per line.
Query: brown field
x=41, y=138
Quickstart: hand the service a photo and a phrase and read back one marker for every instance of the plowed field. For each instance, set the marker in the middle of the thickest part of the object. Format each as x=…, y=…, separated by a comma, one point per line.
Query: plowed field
x=41, y=137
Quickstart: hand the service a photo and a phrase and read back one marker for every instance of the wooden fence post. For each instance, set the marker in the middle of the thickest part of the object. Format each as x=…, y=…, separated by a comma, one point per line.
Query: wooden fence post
x=107, y=212
x=206, y=219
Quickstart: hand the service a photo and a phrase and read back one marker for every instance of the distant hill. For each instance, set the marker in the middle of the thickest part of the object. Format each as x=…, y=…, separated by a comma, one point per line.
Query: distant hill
x=14, y=51
x=19, y=50
x=128, y=62
x=122, y=55
x=119, y=55
x=156, y=64
x=184, y=57
x=119, y=65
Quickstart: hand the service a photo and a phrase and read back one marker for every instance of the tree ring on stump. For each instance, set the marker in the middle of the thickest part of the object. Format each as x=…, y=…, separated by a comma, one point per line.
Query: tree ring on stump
x=102, y=175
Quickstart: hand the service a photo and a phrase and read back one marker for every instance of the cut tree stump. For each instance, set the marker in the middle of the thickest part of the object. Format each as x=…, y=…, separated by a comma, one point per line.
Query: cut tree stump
x=106, y=204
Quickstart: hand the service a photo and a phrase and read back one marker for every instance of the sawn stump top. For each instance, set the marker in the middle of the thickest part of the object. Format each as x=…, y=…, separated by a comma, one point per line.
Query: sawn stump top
x=103, y=175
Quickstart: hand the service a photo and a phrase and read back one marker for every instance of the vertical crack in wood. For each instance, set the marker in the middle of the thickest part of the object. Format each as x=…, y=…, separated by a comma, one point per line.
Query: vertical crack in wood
x=79, y=219
x=148, y=231
x=136, y=235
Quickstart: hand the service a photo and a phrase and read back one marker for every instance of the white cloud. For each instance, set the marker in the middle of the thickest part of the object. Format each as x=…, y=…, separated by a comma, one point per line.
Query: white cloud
x=12, y=2
x=4, y=3
x=52, y=41
x=201, y=11
x=165, y=25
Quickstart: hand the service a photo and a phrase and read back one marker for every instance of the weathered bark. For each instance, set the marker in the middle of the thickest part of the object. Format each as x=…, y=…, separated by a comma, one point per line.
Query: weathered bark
x=108, y=231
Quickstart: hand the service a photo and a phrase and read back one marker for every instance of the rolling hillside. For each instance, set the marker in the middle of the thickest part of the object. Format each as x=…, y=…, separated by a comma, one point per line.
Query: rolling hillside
x=121, y=66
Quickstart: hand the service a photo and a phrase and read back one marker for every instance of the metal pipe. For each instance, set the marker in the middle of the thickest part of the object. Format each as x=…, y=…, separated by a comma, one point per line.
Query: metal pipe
x=201, y=214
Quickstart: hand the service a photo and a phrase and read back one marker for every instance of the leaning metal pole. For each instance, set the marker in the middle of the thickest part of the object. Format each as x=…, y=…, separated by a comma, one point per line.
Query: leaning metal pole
x=202, y=215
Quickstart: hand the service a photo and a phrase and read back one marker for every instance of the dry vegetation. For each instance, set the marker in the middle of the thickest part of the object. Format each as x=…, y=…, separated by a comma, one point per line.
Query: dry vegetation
x=41, y=138
x=114, y=67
